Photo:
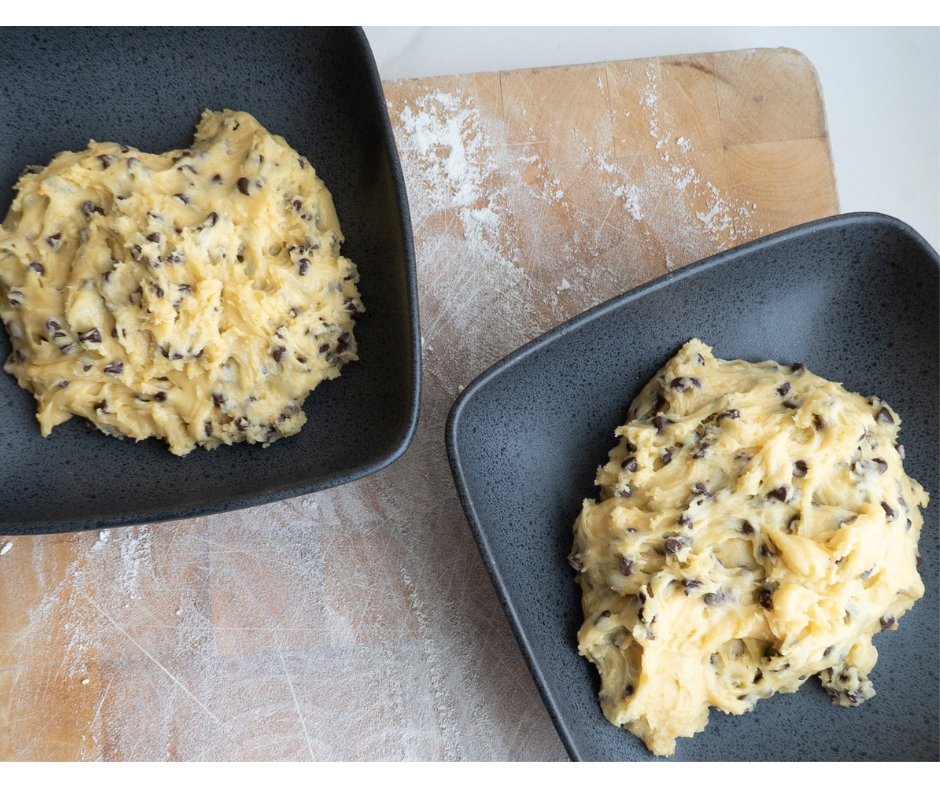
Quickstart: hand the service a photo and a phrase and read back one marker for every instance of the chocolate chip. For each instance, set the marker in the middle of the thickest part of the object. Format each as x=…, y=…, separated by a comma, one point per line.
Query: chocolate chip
x=675, y=544
x=304, y=265
x=160, y=396
x=155, y=237
x=699, y=488
x=819, y=422
x=687, y=585
x=31, y=169
x=887, y=621
x=278, y=353
x=685, y=520
x=208, y=426
x=212, y=218
x=343, y=342
x=114, y=368
x=182, y=198
x=766, y=599
x=629, y=447
x=828, y=651
x=891, y=514
x=101, y=406
x=684, y=384
x=626, y=491
x=900, y=449
x=217, y=178
x=784, y=388
x=666, y=457
x=627, y=565
x=789, y=403
x=658, y=400
x=794, y=523
x=187, y=167
x=628, y=690
x=767, y=551
x=297, y=204
x=90, y=336
x=715, y=598
x=38, y=267
x=242, y=424
x=884, y=416
x=575, y=561
x=798, y=368
x=920, y=560
x=747, y=528
x=734, y=413
x=158, y=291
x=107, y=160
x=781, y=493
x=218, y=399
x=86, y=367
x=243, y=185
x=53, y=240
x=629, y=464
x=800, y=468
x=323, y=348
x=700, y=452
x=701, y=360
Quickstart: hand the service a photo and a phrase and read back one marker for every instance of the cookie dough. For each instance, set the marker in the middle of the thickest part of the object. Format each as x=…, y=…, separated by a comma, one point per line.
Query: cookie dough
x=755, y=527
x=197, y=296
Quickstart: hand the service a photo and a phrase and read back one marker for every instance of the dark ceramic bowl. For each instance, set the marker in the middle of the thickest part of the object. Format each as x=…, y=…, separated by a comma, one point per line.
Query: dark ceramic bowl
x=855, y=298
x=320, y=90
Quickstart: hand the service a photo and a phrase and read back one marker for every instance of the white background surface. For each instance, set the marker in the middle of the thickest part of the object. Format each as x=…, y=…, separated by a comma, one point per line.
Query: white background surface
x=881, y=89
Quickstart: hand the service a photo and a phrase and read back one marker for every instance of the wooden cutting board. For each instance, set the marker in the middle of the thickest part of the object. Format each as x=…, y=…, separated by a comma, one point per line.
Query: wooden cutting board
x=359, y=623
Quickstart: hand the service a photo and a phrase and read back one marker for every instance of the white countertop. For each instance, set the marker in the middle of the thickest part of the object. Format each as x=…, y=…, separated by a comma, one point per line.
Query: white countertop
x=881, y=88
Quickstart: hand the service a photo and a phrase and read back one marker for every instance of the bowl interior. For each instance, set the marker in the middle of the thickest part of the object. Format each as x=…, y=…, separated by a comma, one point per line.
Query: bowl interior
x=318, y=88
x=856, y=299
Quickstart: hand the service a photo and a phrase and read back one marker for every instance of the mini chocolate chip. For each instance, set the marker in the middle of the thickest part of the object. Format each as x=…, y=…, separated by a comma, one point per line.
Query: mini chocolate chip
x=187, y=167
x=155, y=237
x=160, y=396
x=628, y=690
x=798, y=367
x=626, y=491
x=63, y=384
x=114, y=368
x=685, y=520
x=627, y=565
x=794, y=523
x=666, y=457
x=866, y=574
x=789, y=403
x=684, y=384
x=701, y=360
x=158, y=290
x=302, y=359
x=784, y=388
x=887, y=621
x=700, y=453
x=658, y=401
x=629, y=447
x=107, y=160
x=747, y=528
x=920, y=560
x=242, y=424
x=828, y=651
x=31, y=169
x=90, y=336
x=715, y=598
x=52, y=325
x=781, y=493
x=800, y=468
x=900, y=449
x=767, y=551
x=176, y=356
x=575, y=561
x=323, y=348
x=218, y=399
x=884, y=416
x=243, y=185
x=819, y=422
x=674, y=544
x=629, y=464
x=689, y=584
x=891, y=514
x=766, y=599
x=304, y=264
x=208, y=426
x=343, y=342
x=38, y=267
x=53, y=240
x=278, y=353
x=699, y=488
x=101, y=406
x=734, y=413
x=641, y=596
x=182, y=198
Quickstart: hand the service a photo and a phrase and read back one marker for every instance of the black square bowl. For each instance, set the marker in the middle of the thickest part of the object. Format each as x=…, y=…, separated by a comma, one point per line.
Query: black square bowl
x=855, y=298
x=320, y=90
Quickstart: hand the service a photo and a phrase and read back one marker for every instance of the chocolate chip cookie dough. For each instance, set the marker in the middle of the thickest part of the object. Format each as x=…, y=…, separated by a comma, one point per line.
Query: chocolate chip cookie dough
x=197, y=296
x=755, y=527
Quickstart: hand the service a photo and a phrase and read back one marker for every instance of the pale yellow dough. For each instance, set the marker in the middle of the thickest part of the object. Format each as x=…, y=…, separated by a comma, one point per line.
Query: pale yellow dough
x=755, y=527
x=197, y=296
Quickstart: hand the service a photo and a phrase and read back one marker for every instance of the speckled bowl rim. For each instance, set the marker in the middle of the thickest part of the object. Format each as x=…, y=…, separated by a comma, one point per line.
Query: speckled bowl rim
x=543, y=342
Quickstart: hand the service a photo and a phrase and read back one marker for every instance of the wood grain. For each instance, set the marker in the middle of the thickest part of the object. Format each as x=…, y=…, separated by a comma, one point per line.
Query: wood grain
x=359, y=623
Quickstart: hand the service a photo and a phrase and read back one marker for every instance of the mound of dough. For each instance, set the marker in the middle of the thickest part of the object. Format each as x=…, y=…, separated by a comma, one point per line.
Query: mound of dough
x=197, y=296
x=755, y=527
